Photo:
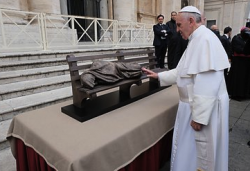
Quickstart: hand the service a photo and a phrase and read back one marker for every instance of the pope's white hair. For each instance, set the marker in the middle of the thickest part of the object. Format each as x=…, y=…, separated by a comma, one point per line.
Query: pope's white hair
x=196, y=16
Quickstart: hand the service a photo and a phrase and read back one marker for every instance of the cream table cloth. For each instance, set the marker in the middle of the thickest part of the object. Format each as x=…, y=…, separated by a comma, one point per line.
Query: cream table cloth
x=105, y=143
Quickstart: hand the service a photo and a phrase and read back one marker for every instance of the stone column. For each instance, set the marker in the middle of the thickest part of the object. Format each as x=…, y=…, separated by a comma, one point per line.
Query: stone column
x=104, y=13
x=24, y=5
x=110, y=10
x=104, y=9
x=49, y=7
x=146, y=12
x=46, y=6
x=64, y=7
x=13, y=5
x=125, y=10
x=198, y=3
x=168, y=6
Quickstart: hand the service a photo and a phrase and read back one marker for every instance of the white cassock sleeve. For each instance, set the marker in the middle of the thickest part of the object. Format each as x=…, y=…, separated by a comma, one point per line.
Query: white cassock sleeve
x=205, y=95
x=167, y=77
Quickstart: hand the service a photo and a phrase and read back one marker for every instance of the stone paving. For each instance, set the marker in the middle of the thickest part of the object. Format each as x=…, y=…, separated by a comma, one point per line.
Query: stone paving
x=239, y=135
x=239, y=151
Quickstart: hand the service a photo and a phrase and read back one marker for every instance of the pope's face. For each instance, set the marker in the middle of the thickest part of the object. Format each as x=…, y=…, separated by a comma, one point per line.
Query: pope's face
x=184, y=25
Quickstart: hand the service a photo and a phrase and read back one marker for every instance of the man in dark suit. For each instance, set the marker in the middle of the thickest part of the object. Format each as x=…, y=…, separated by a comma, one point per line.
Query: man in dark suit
x=225, y=40
x=180, y=47
x=172, y=40
x=216, y=31
x=247, y=52
x=160, y=41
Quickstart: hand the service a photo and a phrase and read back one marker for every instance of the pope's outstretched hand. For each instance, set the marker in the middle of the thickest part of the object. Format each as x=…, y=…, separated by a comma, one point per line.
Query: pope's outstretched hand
x=150, y=73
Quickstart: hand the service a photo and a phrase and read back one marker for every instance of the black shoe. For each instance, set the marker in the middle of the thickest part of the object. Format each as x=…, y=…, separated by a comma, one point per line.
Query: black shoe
x=248, y=143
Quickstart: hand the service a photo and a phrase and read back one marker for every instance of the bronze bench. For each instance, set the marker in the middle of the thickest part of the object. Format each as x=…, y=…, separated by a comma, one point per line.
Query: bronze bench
x=145, y=58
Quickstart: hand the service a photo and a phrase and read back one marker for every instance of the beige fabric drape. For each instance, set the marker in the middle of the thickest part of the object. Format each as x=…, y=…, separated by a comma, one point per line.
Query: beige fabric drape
x=105, y=143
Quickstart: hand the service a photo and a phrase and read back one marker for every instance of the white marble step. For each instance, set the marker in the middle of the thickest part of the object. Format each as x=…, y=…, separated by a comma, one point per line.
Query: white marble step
x=62, y=53
x=4, y=126
x=28, y=74
x=28, y=64
x=23, y=56
x=23, y=88
x=7, y=160
x=11, y=107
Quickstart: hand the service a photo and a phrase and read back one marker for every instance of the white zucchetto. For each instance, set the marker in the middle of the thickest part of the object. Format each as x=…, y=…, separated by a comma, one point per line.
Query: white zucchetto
x=190, y=9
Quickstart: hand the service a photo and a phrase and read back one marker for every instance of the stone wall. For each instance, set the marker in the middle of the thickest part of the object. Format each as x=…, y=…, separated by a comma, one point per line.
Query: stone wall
x=133, y=10
x=146, y=11
x=227, y=13
x=44, y=6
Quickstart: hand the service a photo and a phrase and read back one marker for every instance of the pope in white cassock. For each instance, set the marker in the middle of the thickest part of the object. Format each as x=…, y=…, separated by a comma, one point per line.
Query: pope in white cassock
x=200, y=140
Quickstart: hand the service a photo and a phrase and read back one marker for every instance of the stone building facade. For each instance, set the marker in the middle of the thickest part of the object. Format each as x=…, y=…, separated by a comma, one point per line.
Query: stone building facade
x=222, y=12
x=133, y=10
x=233, y=13
x=225, y=13
x=137, y=10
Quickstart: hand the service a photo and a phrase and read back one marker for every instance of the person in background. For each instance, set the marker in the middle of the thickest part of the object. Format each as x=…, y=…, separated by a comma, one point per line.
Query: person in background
x=200, y=139
x=248, y=24
x=246, y=51
x=172, y=23
x=160, y=41
x=239, y=74
x=225, y=40
x=179, y=48
x=214, y=28
x=173, y=38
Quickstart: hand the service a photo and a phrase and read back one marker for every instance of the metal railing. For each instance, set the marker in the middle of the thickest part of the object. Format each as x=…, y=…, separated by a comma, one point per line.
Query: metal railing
x=22, y=31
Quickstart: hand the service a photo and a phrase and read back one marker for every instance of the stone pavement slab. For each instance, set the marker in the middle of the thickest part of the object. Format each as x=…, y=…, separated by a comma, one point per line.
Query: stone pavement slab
x=240, y=132
x=239, y=122
x=7, y=161
x=239, y=155
x=246, y=115
x=232, y=121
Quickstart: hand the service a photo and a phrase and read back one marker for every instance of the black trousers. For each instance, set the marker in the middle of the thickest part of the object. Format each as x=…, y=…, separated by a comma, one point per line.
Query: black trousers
x=239, y=77
x=160, y=53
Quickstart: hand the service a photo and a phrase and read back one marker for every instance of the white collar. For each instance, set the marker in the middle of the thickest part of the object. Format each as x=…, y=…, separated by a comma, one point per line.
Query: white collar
x=195, y=32
x=200, y=56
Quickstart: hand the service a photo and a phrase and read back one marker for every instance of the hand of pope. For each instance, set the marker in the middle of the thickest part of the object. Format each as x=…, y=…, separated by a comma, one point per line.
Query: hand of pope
x=150, y=73
x=196, y=126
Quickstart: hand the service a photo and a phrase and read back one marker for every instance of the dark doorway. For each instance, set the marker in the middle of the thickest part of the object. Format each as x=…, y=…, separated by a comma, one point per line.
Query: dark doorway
x=88, y=8
x=184, y=3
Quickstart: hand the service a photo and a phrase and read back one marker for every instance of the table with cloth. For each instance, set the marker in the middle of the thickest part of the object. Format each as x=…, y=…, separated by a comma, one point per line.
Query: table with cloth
x=46, y=139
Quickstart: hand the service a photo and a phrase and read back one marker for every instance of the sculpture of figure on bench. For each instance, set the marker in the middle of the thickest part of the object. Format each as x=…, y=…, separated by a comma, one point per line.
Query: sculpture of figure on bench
x=98, y=74
x=132, y=60
x=106, y=72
